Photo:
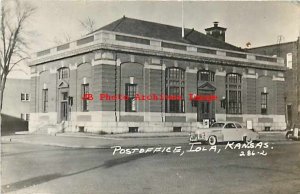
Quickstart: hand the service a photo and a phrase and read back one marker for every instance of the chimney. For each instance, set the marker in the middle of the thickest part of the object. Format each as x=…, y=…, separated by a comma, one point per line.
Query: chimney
x=216, y=32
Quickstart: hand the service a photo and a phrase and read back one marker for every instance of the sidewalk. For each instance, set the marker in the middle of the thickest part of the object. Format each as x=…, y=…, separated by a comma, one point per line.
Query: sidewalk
x=89, y=140
x=99, y=141
x=126, y=135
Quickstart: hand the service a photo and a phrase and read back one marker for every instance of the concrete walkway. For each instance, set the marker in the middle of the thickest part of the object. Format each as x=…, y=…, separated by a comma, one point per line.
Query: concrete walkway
x=126, y=135
x=77, y=140
x=88, y=140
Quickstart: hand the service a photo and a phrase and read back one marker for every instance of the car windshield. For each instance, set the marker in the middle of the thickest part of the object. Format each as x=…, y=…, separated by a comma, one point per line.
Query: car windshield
x=217, y=125
x=238, y=125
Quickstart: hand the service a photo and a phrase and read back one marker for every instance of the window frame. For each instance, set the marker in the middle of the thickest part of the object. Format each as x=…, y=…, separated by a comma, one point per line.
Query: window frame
x=131, y=103
x=25, y=97
x=230, y=127
x=264, y=102
x=45, y=100
x=221, y=125
x=233, y=86
x=85, y=88
x=289, y=60
x=210, y=75
x=175, y=85
x=63, y=73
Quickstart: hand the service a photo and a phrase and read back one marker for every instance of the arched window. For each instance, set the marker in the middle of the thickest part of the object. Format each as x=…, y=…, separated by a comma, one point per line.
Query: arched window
x=205, y=75
x=175, y=87
x=63, y=73
x=234, y=93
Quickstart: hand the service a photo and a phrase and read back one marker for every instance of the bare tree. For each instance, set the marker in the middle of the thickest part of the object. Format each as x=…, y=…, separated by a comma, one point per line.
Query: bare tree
x=64, y=38
x=13, y=45
x=88, y=24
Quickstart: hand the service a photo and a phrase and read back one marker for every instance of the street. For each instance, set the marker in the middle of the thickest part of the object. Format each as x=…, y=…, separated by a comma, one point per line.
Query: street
x=30, y=168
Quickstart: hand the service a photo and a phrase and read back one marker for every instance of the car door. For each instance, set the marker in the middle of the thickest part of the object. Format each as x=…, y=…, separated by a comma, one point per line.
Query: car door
x=229, y=132
x=240, y=132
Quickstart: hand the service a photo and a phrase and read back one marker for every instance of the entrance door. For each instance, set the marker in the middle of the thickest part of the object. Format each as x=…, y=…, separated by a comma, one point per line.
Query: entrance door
x=205, y=109
x=64, y=111
x=64, y=106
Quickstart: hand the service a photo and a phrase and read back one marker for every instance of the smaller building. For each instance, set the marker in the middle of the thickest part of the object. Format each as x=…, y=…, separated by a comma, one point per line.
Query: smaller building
x=290, y=51
x=16, y=103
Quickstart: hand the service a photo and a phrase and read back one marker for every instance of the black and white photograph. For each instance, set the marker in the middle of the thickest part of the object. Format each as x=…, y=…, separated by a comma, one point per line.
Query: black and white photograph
x=150, y=97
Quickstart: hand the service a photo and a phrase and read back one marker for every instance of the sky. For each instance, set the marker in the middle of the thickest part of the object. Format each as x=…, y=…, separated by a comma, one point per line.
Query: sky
x=257, y=22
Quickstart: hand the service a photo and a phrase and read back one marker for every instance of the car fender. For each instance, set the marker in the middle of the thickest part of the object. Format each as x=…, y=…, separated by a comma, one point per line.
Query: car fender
x=251, y=135
x=218, y=134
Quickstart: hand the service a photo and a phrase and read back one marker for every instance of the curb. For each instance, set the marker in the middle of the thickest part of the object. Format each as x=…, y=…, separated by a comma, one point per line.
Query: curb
x=7, y=140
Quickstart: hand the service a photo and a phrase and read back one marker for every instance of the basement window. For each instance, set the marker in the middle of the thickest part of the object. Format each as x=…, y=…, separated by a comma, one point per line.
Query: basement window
x=176, y=129
x=133, y=129
x=81, y=129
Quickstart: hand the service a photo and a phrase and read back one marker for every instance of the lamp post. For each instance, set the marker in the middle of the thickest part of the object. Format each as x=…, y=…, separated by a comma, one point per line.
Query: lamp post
x=224, y=105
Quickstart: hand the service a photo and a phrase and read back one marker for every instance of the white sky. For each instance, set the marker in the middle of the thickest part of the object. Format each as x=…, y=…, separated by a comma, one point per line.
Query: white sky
x=257, y=22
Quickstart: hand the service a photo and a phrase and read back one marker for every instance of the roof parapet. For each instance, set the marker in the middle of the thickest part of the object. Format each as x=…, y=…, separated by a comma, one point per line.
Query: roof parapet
x=117, y=38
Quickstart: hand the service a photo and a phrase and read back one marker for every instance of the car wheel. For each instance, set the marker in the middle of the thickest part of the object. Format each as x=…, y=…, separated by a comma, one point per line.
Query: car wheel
x=192, y=139
x=212, y=140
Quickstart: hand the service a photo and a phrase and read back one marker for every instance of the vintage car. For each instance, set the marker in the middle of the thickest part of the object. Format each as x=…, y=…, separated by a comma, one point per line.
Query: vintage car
x=222, y=132
x=293, y=134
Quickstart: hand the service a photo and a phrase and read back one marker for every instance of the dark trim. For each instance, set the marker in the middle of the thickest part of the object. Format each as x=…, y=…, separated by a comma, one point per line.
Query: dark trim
x=167, y=55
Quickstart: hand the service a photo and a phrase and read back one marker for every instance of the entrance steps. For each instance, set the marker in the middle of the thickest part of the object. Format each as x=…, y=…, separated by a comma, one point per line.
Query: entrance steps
x=52, y=129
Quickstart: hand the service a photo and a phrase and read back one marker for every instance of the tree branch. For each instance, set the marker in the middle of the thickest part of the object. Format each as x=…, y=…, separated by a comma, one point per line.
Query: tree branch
x=14, y=64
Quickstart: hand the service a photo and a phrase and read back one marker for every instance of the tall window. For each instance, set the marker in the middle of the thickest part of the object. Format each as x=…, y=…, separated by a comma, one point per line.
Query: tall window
x=233, y=93
x=175, y=87
x=85, y=102
x=205, y=75
x=63, y=73
x=264, y=103
x=45, y=100
x=130, y=91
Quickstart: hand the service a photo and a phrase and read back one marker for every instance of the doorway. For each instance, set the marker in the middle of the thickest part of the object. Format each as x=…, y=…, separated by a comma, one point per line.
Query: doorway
x=64, y=106
x=205, y=109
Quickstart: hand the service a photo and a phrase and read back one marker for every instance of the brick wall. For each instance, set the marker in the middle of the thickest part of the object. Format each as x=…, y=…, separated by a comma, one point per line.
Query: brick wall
x=291, y=83
x=108, y=75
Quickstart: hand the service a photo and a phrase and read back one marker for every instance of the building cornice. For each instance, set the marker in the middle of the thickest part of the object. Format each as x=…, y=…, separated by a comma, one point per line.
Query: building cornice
x=107, y=41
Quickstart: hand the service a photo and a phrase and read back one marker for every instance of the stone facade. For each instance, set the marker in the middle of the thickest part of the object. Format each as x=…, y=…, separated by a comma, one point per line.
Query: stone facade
x=107, y=64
